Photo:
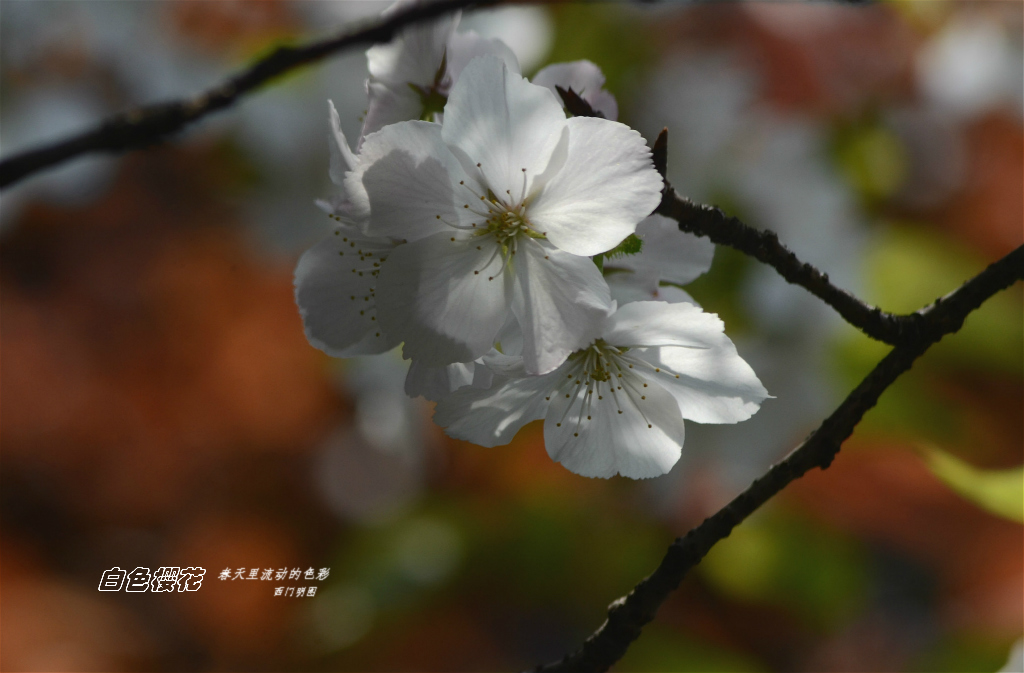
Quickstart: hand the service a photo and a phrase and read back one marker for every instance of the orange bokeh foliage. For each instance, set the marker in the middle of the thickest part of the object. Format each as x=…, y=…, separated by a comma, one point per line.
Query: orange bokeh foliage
x=886, y=495
x=142, y=336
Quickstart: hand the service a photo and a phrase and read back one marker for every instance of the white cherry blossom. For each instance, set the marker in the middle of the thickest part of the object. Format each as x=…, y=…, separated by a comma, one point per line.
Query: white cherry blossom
x=585, y=79
x=336, y=279
x=410, y=77
x=616, y=406
x=669, y=258
x=500, y=205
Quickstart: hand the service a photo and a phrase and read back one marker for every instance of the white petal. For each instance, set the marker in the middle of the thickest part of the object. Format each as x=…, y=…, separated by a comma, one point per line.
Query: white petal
x=674, y=295
x=583, y=77
x=510, y=337
x=412, y=182
x=464, y=47
x=715, y=385
x=678, y=257
x=435, y=383
x=341, y=205
x=496, y=118
x=628, y=286
x=334, y=288
x=344, y=202
x=590, y=437
x=655, y=323
x=342, y=159
x=605, y=187
x=389, y=104
x=605, y=103
x=414, y=56
x=493, y=417
x=326, y=205
x=445, y=298
x=504, y=366
x=561, y=303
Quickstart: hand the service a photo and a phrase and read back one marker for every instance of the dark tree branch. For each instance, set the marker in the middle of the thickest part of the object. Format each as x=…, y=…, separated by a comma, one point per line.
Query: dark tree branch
x=628, y=615
x=151, y=124
x=764, y=246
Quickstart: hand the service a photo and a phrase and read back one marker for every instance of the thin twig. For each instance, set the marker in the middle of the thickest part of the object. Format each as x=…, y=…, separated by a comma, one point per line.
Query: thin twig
x=628, y=615
x=151, y=124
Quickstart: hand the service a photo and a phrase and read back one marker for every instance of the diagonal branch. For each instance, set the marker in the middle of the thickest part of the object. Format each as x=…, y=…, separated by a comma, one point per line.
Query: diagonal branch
x=764, y=246
x=147, y=125
x=628, y=615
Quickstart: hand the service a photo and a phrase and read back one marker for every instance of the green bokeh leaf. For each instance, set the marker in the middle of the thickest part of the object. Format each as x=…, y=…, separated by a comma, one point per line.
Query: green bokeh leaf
x=907, y=268
x=664, y=649
x=1000, y=492
x=873, y=160
x=910, y=266
x=779, y=560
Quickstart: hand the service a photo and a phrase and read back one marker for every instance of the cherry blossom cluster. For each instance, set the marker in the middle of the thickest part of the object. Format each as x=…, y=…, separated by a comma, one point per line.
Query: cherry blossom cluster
x=510, y=249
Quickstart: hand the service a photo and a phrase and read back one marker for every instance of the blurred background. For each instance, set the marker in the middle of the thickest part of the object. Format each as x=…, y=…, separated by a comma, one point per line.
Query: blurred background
x=161, y=406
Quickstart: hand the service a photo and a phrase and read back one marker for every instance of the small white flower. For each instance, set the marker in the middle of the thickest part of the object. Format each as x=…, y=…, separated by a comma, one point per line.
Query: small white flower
x=617, y=406
x=669, y=258
x=410, y=77
x=500, y=205
x=336, y=279
x=585, y=79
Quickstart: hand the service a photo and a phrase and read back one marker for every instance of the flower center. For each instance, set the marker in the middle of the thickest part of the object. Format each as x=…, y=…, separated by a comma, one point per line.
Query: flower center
x=600, y=371
x=603, y=371
x=507, y=224
x=504, y=216
x=600, y=364
x=501, y=217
